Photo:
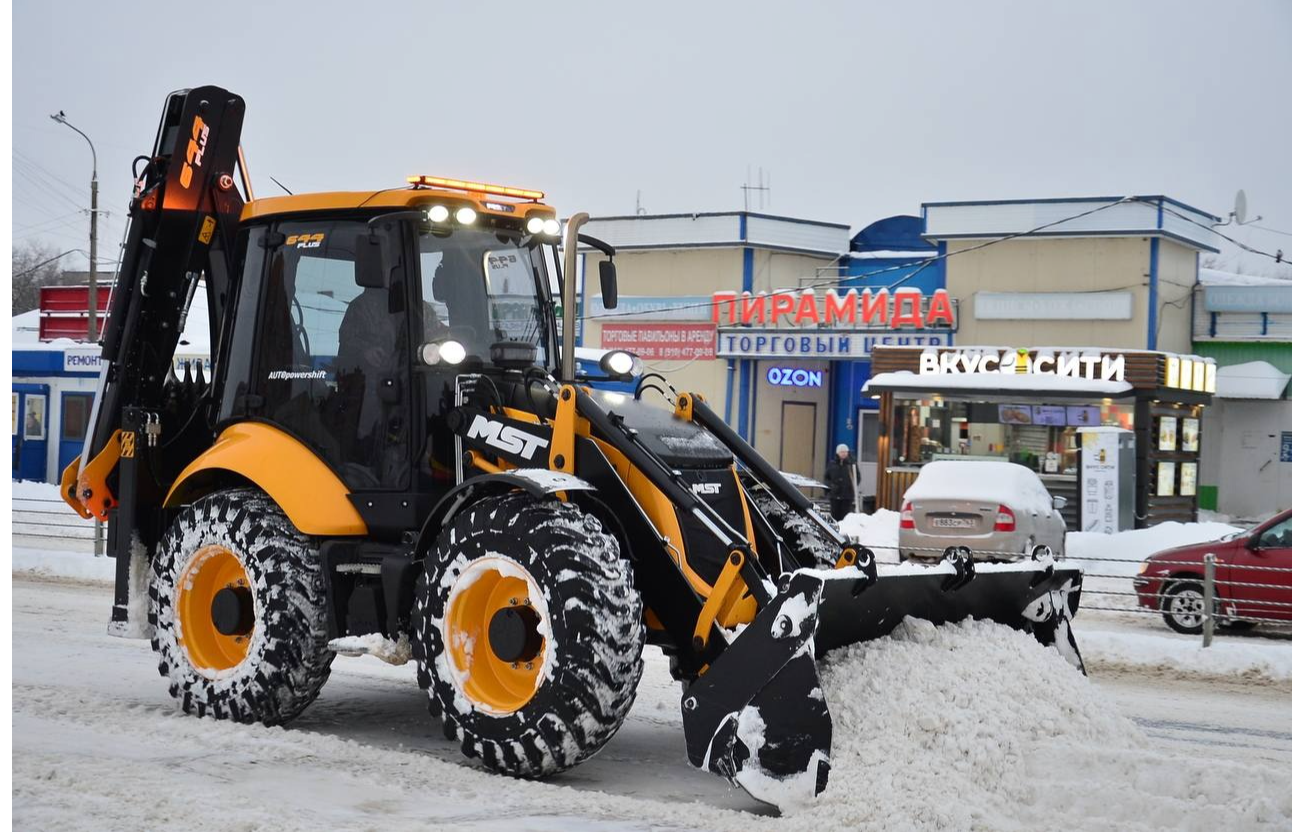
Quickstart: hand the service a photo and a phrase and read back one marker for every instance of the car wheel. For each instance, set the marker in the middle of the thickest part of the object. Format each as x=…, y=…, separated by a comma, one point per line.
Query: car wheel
x=1183, y=608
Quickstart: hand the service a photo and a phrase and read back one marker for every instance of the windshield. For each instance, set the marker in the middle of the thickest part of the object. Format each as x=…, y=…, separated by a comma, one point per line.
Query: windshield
x=485, y=286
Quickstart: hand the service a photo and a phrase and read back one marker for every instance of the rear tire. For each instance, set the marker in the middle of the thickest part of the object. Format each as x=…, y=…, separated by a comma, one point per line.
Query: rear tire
x=240, y=539
x=537, y=714
x=1183, y=608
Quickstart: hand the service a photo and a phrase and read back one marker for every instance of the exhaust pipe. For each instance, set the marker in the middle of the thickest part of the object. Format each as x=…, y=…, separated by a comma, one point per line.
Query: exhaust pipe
x=568, y=296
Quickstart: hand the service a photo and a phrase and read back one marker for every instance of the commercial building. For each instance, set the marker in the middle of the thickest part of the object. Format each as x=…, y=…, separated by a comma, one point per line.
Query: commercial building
x=796, y=361
x=1244, y=323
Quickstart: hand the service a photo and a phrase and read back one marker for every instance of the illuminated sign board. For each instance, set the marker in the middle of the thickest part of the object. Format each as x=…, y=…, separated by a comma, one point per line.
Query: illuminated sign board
x=1010, y=362
x=794, y=377
x=905, y=308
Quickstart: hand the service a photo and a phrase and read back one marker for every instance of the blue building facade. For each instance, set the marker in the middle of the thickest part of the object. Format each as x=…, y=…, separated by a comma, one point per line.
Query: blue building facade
x=888, y=254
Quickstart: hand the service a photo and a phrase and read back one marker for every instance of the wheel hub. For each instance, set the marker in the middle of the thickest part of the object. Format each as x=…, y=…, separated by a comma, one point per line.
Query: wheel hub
x=216, y=610
x=233, y=610
x=497, y=639
x=514, y=634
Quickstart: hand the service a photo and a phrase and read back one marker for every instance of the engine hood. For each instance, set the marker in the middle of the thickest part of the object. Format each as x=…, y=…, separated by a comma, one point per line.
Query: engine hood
x=678, y=443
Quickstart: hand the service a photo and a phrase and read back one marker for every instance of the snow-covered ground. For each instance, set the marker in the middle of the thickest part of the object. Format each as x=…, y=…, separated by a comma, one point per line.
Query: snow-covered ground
x=927, y=735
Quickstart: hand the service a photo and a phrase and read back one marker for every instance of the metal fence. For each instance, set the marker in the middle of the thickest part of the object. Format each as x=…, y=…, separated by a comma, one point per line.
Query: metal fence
x=1234, y=577
x=1215, y=578
x=50, y=524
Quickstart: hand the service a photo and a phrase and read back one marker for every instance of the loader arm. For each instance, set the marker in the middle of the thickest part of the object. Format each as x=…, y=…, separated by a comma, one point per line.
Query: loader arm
x=181, y=231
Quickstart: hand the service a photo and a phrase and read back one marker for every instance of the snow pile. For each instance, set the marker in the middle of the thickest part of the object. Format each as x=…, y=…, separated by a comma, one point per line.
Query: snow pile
x=42, y=520
x=878, y=531
x=49, y=563
x=1138, y=544
x=980, y=481
x=1174, y=656
x=979, y=726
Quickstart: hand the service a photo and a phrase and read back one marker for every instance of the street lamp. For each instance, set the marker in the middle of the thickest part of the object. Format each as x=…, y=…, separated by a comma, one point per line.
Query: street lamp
x=94, y=295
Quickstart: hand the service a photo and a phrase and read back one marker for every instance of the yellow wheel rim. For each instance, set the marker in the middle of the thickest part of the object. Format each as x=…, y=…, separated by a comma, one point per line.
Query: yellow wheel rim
x=494, y=684
x=212, y=569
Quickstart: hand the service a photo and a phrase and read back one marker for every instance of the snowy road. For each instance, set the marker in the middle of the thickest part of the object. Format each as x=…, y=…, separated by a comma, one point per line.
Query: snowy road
x=99, y=744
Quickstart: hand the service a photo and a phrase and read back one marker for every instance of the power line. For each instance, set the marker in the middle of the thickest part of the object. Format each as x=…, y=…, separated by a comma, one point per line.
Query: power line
x=54, y=176
x=1266, y=228
x=1234, y=242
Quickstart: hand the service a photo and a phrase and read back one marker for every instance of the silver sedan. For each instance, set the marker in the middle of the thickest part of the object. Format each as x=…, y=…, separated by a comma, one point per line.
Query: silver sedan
x=998, y=509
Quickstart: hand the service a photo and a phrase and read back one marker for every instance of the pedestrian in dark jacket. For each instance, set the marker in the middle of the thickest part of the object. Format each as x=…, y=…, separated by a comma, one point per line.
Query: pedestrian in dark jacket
x=843, y=479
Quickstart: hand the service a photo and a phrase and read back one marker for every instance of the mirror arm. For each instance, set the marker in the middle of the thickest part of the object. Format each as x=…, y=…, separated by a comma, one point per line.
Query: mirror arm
x=594, y=242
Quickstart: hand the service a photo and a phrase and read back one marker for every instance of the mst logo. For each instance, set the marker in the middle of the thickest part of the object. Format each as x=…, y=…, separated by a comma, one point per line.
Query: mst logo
x=706, y=488
x=505, y=438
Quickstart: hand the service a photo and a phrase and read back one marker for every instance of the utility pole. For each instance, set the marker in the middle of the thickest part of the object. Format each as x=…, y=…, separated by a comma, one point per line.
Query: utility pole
x=93, y=296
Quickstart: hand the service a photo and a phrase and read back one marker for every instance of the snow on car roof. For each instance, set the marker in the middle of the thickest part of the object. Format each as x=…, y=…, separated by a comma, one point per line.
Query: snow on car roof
x=981, y=481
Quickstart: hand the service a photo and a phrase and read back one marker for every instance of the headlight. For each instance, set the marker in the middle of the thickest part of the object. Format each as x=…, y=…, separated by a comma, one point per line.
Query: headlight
x=438, y=213
x=465, y=216
x=534, y=225
x=442, y=352
x=618, y=363
x=551, y=227
x=452, y=352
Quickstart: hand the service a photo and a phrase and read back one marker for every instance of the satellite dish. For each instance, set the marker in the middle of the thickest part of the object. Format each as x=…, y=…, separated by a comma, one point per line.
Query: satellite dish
x=1240, y=211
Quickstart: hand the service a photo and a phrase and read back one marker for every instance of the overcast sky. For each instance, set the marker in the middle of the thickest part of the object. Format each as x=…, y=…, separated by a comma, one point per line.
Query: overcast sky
x=856, y=110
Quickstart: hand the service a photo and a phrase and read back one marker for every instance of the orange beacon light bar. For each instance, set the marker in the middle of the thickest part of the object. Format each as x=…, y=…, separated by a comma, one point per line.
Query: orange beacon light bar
x=477, y=187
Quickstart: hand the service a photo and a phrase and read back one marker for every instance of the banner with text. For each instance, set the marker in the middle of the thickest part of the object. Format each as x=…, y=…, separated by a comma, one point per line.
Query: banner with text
x=661, y=342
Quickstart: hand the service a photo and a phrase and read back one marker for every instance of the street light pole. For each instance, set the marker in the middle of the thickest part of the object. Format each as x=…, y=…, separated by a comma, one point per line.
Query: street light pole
x=92, y=329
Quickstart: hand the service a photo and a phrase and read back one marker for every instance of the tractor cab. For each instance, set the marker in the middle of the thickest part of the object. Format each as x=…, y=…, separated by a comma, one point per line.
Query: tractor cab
x=357, y=313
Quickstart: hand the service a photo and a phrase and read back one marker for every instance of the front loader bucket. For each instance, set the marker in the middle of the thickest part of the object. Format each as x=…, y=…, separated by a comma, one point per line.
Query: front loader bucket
x=1039, y=597
x=758, y=715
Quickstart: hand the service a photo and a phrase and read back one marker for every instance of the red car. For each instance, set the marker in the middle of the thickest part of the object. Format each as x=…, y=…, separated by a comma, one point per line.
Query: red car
x=1172, y=581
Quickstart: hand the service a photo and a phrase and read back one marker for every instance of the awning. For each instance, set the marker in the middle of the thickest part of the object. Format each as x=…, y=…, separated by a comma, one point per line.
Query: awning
x=1252, y=380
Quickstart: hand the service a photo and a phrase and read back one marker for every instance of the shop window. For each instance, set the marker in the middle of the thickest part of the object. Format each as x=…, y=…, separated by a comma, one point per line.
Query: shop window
x=1039, y=436
x=76, y=416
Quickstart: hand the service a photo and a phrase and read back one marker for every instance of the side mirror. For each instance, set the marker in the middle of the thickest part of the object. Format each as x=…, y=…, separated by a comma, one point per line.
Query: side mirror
x=369, y=263
x=607, y=278
x=1058, y=502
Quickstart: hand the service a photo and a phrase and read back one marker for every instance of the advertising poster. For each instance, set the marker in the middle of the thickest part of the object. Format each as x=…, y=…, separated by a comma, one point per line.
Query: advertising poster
x=1167, y=433
x=1164, y=480
x=1190, y=434
x=1188, y=485
x=1099, y=499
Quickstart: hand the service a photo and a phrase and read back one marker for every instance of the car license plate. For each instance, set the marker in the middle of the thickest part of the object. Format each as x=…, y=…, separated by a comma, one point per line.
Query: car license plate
x=954, y=522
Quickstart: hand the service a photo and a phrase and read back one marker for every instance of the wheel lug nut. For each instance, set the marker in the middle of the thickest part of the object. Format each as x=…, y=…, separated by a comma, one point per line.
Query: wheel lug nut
x=529, y=665
x=516, y=665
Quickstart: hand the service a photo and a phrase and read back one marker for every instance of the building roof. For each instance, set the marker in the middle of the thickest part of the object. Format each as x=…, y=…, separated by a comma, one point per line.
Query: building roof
x=1097, y=216
x=724, y=229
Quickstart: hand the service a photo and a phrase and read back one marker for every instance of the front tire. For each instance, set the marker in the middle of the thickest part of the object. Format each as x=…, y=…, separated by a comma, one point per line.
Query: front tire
x=1183, y=608
x=529, y=634
x=238, y=604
